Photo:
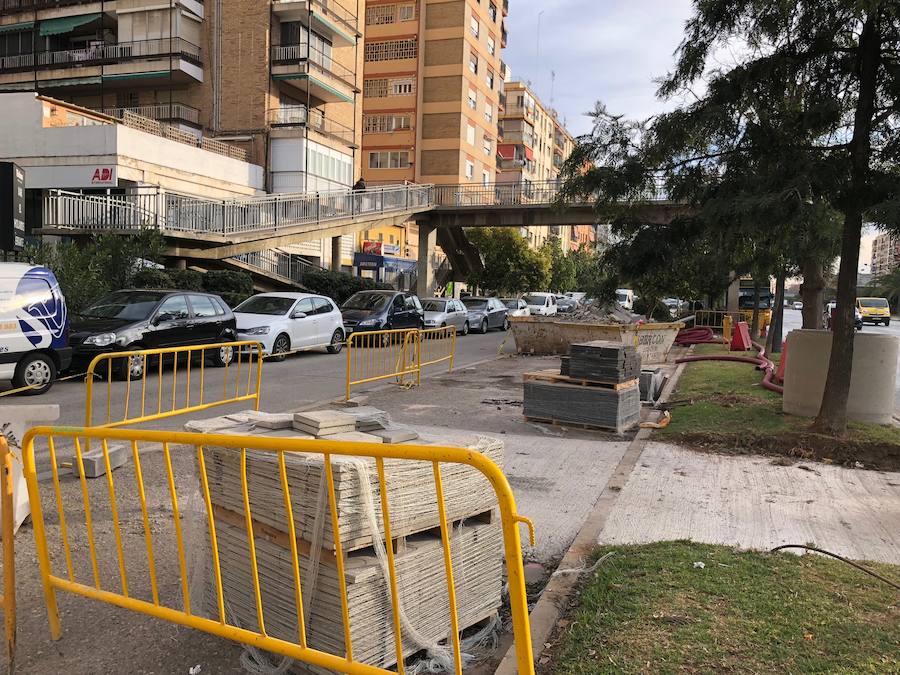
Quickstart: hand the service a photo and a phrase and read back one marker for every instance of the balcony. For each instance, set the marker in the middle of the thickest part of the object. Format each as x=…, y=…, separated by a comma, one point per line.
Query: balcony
x=504, y=35
x=313, y=71
x=160, y=112
x=13, y=6
x=124, y=60
x=327, y=17
x=523, y=137
x=293, y=116
x=520, y=111
x=505, y=7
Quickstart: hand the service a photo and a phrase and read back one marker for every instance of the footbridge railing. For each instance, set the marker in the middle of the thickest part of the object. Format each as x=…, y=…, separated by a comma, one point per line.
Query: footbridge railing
x=537, y=193
x=139, y=208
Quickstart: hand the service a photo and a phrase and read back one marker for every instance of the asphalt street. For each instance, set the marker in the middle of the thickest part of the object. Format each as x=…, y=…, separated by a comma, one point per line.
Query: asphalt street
x=793, y=321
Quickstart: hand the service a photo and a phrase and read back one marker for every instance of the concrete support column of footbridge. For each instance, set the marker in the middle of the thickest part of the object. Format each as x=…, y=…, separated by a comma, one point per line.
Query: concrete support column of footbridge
x=424, y=273
x=336, y=253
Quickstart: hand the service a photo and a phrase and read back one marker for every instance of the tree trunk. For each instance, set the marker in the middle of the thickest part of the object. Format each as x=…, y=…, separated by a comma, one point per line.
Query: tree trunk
x=812, y=292
x=754, y=322
x=777, y=327
x=833, y=413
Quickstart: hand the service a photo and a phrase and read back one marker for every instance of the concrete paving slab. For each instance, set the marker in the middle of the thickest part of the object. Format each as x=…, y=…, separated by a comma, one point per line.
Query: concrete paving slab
x=750, y=502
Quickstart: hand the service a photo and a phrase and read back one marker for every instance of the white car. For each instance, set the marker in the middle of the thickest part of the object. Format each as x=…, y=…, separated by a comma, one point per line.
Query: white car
x=285, y=322
x=516, y=307
x=798, y=304
x=541, y=304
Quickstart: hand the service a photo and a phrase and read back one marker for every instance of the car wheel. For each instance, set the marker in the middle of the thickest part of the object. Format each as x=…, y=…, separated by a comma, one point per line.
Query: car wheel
x=465, y=329
x=386, y=339
x=130, y=368
x=280, y=347
x=36, y=371
x=222, y=356
x=505, y=323
x=484, y=327
x=337, y=342
x=887, y=322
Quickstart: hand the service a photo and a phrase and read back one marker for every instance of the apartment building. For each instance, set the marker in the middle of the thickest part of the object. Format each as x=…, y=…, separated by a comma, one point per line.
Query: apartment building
x=885, y=255
x=277, y=78
x=431, y=94
x=533, y=145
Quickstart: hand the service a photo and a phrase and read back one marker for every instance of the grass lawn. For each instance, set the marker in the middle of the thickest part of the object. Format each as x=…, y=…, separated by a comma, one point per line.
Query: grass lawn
x=729, y=405
x=648, y=609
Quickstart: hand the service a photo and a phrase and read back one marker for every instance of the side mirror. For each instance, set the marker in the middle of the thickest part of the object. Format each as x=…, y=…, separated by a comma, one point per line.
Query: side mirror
x=159, y=318
x=299, y=315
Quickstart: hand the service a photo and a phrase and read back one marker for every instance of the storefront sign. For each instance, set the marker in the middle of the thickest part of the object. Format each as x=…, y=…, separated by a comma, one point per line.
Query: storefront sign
x=104, y=175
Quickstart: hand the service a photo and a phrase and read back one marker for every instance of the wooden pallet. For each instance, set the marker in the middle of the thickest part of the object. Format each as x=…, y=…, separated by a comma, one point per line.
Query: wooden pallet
x=576, y=425
x=553, y=376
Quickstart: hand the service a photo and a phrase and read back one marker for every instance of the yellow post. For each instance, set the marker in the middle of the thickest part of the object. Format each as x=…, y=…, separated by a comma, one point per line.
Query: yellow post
x=9, y=553
x=726, y=328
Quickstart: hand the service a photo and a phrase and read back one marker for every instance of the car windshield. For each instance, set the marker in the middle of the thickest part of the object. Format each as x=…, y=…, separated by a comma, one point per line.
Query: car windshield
x=127, y=305
x=873, y=302
x=434, y=306
x=534, y=299
x=272, y=305
x=474, y=303
x=621, y=297
x=367, y=301
x=511, y=304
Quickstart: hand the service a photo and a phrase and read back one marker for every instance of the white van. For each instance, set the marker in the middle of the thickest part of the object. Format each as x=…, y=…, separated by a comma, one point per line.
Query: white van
x=541, y=304
x=34, y=327
x=625, y=297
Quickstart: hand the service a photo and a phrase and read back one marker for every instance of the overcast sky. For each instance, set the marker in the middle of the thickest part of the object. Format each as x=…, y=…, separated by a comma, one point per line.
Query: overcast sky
x=607, y=50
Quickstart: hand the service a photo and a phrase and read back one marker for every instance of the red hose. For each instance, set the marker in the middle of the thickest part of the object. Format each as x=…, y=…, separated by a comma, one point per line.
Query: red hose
x=760, y=360
x=696, y=336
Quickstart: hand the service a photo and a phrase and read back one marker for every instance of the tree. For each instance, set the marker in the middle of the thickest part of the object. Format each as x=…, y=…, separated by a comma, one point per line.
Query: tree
x=807, y=121
x=562, y=267
x=889, y=286
x=510, y=266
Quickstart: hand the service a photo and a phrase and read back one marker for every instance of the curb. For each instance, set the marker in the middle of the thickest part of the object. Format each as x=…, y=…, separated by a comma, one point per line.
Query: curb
x=556, y=595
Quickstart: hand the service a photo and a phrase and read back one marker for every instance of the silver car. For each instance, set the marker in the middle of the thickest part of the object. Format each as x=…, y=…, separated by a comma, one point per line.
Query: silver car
x=441, y=312
x=516, y=307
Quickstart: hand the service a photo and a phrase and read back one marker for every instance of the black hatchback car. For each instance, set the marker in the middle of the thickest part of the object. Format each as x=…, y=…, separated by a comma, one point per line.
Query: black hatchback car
x=382, y=310
x=146, y=319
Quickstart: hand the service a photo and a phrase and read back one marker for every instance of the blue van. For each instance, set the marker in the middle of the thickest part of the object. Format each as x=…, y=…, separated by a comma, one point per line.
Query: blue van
x=34, y=327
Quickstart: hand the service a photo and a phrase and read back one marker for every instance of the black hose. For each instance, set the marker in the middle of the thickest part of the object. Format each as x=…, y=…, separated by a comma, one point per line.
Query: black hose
x=841, y=558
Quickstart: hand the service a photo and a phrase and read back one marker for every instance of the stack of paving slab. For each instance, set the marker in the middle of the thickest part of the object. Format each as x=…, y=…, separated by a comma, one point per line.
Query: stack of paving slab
x=470, y=504
x=597, y=387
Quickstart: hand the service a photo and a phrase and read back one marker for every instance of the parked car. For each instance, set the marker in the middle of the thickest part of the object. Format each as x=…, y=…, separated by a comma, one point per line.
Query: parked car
x=283, y=322
x=541, y=304
x=34, y=342
x=874, y=310
x=442, y=312
x=382, y=310
x=857, y=315
x=149, y=319
x=576, y=296
x=797, y=305
x=486, y=313
x=625, y=297
x=516, y=306
x=565, y=305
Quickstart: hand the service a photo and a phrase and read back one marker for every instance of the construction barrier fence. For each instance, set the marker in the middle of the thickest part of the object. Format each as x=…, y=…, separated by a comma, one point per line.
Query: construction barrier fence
x=8, y=600
x=102, y=532
x=139, y=386
x=396, y=354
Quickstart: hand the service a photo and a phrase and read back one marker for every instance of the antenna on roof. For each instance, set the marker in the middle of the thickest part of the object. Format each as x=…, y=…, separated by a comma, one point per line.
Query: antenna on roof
x=552, y=85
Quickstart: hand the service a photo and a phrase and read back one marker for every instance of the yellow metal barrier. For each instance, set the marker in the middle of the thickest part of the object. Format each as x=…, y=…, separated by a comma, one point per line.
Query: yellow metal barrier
x=144, y=593
x=8, y=600
x=437, y=345
x=712, y=318
x=382, y=355
x=240, y=381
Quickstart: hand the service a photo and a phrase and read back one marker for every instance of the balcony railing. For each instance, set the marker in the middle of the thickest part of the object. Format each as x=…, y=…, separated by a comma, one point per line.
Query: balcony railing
x=520, y=194
x=100, y=54
x=514, y=109
x=300, y=116
x=275, y=262
x=162, y=112
x=330, y=9
x=518, y=137
x=300, y=53
x=22, y=5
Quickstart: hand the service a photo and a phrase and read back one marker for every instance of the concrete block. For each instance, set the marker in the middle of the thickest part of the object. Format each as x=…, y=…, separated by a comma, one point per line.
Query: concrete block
x=272, y=420
x=320, y=433
x=94, y=462
x=355, y=437
x=210, y=426
x=394, y=436
x=356, y=401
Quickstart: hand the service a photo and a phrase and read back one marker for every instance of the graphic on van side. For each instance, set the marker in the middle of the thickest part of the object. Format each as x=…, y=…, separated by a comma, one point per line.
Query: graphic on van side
x=41, y=310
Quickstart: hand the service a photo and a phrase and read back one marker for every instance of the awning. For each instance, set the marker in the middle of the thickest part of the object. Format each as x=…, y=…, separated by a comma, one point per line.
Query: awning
x=16, y=27
x=529, y=153
x=506, y=151
x=66, y=24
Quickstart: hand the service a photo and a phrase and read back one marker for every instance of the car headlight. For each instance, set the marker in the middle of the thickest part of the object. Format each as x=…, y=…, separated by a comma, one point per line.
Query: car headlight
x=259, y=330
x=101, y=340
x=369, y=322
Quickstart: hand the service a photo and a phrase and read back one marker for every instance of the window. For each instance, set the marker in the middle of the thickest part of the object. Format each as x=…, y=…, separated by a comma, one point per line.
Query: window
x=474, y=27
x=470, y=169
x=489, y=78
x=388, y=50
x=402, y=87
x=383, y=124
x=174, y=308
x=486, y=177
x=380, y=14
x=473, y=99
x=409, y=303
x=406, y=12
x=393, y=159
x=375, y=88
x=383, y=87
x=488, y=112
x=492, y=11
x=321, y=306
x=491, y=45
x=305, y=306
x=203, y=307
x=398, y=303
x=473, y=63
x=488, y=146
x=470, y=134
